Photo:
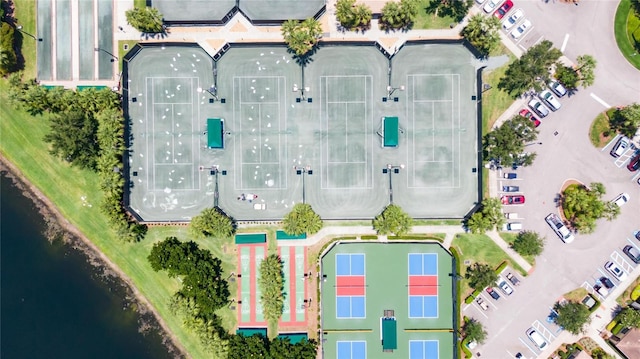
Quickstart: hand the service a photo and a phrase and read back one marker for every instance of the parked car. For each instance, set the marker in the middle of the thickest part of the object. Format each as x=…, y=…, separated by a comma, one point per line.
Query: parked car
x=557, y=88
x=513, y=279
x=620, y=147
x=527, y=114
x=621, y=199
x=504, y=9
x=606, y=282
x=513, y=226
x=493, y=293
x=513, y=19
x=637, y=235
x=491, y=5
x=616, y=271
x=504, y=287
x=482, y=304
x=520, y=30
x=634, y=163
x=480, y=1
x=559, y=228
x=510, y=188
x=538, y=107
x=632, y=252
x=511, y=216
x=510, y=175
x=506, y=200
x=551, y=101
x=536, y=338
x=601, y=290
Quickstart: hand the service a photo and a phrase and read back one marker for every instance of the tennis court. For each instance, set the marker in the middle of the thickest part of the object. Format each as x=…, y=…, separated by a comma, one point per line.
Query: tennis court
x=341, y=138
x=404, y=307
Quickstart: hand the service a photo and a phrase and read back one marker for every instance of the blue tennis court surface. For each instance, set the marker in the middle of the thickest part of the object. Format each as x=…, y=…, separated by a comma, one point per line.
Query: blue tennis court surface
x=423, y=306
x=352, y=350
x=350, y=264
x=350, y=307
x=423, y=349
x=423, y=264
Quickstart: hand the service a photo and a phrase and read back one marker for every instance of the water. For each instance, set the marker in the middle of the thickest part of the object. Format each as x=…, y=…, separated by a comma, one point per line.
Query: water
x=54, y=304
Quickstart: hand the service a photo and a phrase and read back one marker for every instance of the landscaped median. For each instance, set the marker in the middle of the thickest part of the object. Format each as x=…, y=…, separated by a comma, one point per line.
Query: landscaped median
x=626, y=16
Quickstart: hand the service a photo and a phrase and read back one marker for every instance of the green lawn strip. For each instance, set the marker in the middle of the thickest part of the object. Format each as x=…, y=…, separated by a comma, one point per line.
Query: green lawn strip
x=65, y=186
x=510, y=238
x=25, y=13
x=494, y=101
x=122, y=52
x=599, y=127
x=426, y=20
x=620, y=30
x=480, y=248
x=139, y=4
x=436, y=222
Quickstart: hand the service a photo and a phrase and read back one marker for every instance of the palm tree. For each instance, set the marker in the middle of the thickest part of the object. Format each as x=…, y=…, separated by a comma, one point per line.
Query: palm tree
x=301, y=37
x=482, y=33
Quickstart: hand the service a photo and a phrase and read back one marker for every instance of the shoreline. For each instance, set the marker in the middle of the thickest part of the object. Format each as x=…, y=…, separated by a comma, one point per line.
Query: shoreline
x=59, y=227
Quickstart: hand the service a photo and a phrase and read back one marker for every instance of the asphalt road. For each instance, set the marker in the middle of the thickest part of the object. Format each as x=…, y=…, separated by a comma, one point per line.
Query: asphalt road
x=565, y=154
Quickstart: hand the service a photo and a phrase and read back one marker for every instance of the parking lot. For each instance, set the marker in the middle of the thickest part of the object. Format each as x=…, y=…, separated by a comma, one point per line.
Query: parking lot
x=623, y=160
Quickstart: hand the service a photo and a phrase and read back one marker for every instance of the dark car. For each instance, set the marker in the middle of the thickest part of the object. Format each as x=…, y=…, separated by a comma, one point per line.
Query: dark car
x=510, y=188
x=504, y=9
x=512, y=200
x=493, y=293
x=633, y=253
x=510, y=175
x=606, y=282
x=634, y=163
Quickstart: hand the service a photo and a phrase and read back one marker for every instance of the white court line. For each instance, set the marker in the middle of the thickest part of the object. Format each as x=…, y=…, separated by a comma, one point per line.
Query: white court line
x=564, y=43
x=614, y=140
x=601, y=101
x=528, y=347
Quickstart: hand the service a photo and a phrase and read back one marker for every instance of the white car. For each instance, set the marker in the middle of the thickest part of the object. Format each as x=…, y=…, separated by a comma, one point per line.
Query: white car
x=520, y=30
x=504, y=287
x=557, y=88
x=513, y=19
x=480, y=1
x=550, y=100
x=491, y=5
x=536, y=338
x=621, y=199
x=616, y=271
x=539, y=108
x=561, y=230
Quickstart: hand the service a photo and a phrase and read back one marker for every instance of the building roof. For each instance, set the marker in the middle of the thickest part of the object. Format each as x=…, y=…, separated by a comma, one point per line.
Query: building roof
x=630, y=344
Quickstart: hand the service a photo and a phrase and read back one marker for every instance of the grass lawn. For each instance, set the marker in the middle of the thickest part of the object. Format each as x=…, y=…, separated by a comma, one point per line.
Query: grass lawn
x=510, y=238
x=25, y=13
x=425, y=20
x=576, y=295
x=494, y=100
x=600, y=133
x=480, y=248
x=64, y=185
x=140, y=4
x=122, y=51
x=624, y=15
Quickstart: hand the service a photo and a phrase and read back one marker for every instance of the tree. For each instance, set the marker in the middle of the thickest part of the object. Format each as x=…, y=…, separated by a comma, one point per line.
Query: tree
x=586, y=69
x=598, y=353
x=506, y=143
x=457, y=9
x=146, y=19
x=241, y=347
x=392, y=220
x=582, y=206
x=528, y=243
x=488, y=217
x=478, y=223
x=626, y=120
x=572, y=316
x=568, y=76
x=8, y=57
x=474, y=331
x=629, y=318
x=399, y=15
x=482, y=32
x=301, y=37
x=72, y=137
x=271, y=284
x=353, y=16
x=531, y=70
x=480, y=276
x=302, y=219
x=281, y=348
x=212, y=222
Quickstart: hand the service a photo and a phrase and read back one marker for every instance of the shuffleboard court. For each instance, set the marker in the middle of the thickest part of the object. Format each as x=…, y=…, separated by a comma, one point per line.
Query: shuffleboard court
x=250, y=308
x=295, y=305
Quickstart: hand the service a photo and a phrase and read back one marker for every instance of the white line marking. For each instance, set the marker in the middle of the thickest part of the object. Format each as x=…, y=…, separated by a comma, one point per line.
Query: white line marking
x=528, y=347
x=611, y=142
x=564, y=43
x=606, y=105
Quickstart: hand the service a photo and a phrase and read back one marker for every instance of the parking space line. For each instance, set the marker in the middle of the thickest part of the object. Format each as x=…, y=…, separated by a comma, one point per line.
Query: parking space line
x=604, y=274
x=614, y=140
x=601, y=101
x=635, y=177
x=544, y=330
x=564, y=43
x=626, y=266
x=488, y=300
x=589, y=288
x=622, y=160
x=535, y=353
x=632, y=243
x=477, y=306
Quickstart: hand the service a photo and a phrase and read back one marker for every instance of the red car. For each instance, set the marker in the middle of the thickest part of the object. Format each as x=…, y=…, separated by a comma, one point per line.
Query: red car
x=512, y=199
x=504, y=9
x=634, y=163
x=527, y=114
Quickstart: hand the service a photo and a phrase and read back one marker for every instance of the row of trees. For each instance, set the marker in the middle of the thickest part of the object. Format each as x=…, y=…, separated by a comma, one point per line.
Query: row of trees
x=87, y=131
x=257, y=346
x=584, y=205
x=506, y=143
x=399, y=15
x=271, y=284
x=352, y=16
x=488, y=217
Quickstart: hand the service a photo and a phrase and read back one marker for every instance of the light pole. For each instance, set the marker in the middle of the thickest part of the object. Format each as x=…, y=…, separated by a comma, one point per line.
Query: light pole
x=215, y=171
x=113, y=57
x=392, y=169
x=301, y=171
x=19, y=28
x=391, y=90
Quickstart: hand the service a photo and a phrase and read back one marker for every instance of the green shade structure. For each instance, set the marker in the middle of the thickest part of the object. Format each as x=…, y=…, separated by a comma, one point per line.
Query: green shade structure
x=282, y=235
x=247, y=332
x=294, y=338
x=390, y=134
x=389, y=334
x=251, y=238
x=215, y=128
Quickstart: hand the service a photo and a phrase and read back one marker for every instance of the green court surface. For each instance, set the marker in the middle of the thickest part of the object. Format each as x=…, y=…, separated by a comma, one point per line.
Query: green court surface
x=389, y=291
x=293, y=260
x=324, y=136
x=193, y=10
x=259, y=315
x=263, y=10
x=245, y=287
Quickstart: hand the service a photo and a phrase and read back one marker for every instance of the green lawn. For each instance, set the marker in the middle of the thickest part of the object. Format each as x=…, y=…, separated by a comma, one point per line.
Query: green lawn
x=494, y=101
x=121, y=51
x=480, y=248
x=624, y=16
x=600, y=127
x=139, y=4
x=25, y=14
x=510, y=238
x=425, y=20
x=22, y=144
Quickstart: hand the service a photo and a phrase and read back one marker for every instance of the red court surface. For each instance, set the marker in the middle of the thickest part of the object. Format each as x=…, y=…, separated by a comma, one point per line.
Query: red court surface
x=350, y=285
x=423, y=285
x=294, y=265
x=250, y=308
